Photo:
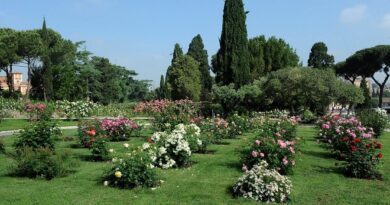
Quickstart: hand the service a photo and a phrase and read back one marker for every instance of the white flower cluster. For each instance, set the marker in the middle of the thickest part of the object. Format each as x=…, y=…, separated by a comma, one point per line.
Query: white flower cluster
x=381, y=112
x=78, y=109
x=168, y=149
x=263, y=184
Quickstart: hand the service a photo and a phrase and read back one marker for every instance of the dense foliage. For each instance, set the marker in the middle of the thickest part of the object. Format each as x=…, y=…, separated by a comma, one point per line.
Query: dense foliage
x=42, y=163
x=231, y=63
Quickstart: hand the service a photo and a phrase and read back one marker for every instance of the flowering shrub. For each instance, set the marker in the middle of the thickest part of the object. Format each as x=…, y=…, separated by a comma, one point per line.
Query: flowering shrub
x=377, y=119
x=88, y=131
x=99, y=149
x=77, y=109
x=284, y=129
x=136, y=170
x=352, y=142
x=191, y=134
x=168, y=150
x=38, y=111
x=278, y=153
x=38, y=135
x=118, y=129
x=262, y=184
x=239, y=124
x=167, y=114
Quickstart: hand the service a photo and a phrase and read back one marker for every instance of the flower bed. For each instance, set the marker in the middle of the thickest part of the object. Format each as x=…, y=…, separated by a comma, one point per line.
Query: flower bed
x=354, y=144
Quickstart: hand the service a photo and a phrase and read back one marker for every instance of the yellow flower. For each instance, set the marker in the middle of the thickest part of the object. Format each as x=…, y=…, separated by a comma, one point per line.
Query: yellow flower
x=118, y=174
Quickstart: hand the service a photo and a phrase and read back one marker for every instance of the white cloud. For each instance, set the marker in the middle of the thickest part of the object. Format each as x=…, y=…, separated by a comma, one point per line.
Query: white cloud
x=385, y=23
x=353, y=14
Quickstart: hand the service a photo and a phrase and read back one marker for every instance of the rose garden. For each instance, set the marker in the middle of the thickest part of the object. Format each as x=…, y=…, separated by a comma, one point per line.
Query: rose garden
x=249, y=125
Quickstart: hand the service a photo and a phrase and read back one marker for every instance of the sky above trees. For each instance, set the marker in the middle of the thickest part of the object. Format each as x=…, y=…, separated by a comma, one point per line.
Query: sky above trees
x=140, y=34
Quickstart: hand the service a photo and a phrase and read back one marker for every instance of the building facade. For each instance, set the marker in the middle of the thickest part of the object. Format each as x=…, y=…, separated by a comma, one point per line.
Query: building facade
x=17, y=80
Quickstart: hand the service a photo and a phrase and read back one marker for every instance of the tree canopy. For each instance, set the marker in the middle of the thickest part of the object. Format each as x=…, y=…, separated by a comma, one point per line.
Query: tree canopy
x=319, y=57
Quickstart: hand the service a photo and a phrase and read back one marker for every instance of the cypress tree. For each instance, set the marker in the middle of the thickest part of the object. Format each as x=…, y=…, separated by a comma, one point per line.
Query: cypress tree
x=231, y=63
x=366, y=93
x=177, y=53
x=161, y=89
x=196, y=51
x=47, y=76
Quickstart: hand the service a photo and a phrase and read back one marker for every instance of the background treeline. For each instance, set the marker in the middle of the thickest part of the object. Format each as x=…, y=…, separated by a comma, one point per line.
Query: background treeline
x=59, y=69
x=262, y=74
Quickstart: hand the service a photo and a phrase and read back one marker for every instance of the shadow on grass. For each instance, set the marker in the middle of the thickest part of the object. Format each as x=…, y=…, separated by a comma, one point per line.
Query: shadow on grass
x=76, y=146
x=324, y=155
x=327, y=170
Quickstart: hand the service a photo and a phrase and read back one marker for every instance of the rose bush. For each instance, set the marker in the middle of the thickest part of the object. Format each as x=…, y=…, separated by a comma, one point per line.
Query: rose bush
x=135, y=170
x=353, y=143
x=167, y=114
x=119, y=129
x=263, y=184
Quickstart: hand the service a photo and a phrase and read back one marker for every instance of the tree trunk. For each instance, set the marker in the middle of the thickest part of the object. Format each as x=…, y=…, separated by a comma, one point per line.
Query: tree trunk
x=10, y=83
x=381, y=88
x=29, y=74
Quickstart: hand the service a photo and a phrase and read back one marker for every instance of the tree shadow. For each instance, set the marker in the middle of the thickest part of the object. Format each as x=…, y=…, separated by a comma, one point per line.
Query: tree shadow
x=327, y=170
x=324, y=155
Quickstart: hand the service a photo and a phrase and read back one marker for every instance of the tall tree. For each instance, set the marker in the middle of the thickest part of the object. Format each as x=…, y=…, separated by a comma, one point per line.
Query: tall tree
x=231, y=63
x=368, y=62
x=319, y=57
x=256, y=61
x=160, y=91
x=366, y=93
x=47, y=75
x=30, y=48
x=278, y=55
x=196, y=51
x=8, y=54
x=177, y=53
x=185, y=79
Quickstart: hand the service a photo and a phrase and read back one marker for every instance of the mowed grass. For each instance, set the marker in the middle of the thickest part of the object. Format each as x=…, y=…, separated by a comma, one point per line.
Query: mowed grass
x=316, y=179
x=14, y=124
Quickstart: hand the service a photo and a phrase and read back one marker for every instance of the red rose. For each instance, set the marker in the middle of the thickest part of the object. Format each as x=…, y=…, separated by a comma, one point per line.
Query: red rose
x=357, y=140
x=353, y=148
x=379, y=155
x=378, y=146
x=369, y=145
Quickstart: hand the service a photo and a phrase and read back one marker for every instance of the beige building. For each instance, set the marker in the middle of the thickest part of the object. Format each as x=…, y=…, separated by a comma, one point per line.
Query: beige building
x=17, y=79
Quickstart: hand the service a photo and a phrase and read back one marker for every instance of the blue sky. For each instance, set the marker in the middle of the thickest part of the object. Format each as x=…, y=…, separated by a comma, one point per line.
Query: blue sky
x=140, y=34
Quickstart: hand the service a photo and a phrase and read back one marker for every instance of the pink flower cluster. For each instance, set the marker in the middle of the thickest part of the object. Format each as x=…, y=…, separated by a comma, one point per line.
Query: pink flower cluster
x=221, y=123
x=157, y=106
x=30, y=107
x=116, y=125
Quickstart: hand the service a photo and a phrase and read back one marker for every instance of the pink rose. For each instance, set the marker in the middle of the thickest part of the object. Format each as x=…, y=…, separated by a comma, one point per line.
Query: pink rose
x=257, y=142
x=254, y=154
x=285, y=161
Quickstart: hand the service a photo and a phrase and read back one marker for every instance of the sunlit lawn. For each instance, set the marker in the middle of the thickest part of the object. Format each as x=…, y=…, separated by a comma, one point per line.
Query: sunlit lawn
x=315, y=180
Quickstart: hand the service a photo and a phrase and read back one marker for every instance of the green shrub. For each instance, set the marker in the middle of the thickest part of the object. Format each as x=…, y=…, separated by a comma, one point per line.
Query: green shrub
x=88, y=130
x=41, y=163
x=2, y=147
x=377, y=120
x=99, y=149
x=136, y=170
x=39, y=135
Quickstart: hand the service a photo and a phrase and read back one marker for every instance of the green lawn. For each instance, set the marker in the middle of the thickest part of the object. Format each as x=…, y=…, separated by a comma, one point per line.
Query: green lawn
x=315, y=180
x=14, y=124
